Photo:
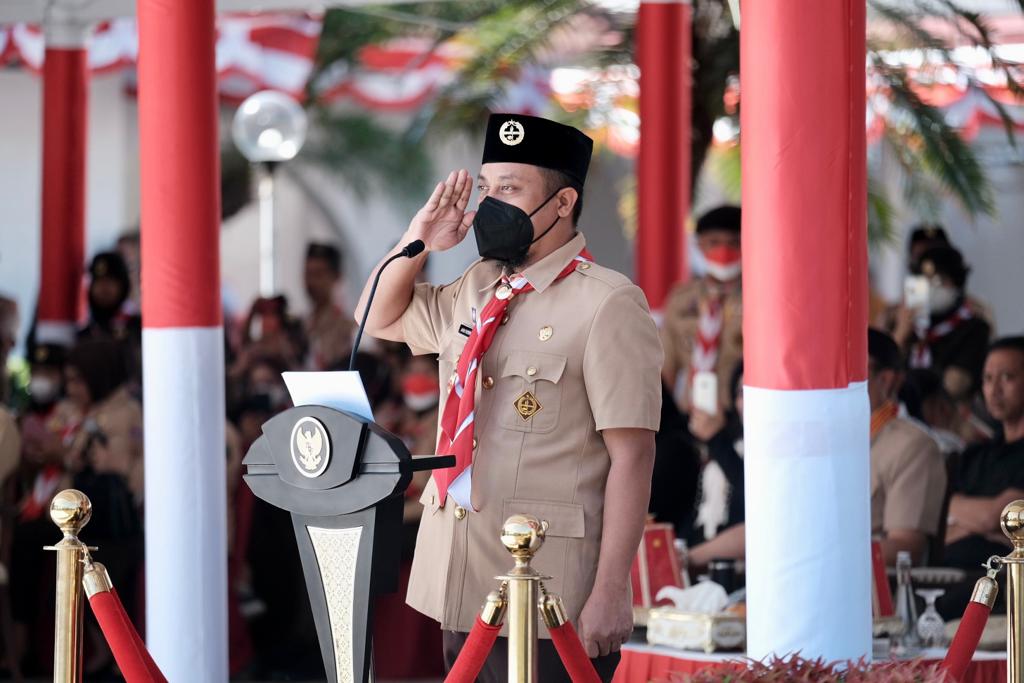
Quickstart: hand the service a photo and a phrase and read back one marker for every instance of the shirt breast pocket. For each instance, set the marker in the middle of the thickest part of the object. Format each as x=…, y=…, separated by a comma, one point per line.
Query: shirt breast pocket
x=531, y=391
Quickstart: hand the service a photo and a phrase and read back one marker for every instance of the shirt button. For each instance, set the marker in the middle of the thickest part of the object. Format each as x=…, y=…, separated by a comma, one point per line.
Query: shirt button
x=488, y=382
x=531, y=371
x=474, y=443
x=460, y=512
x=584, y=266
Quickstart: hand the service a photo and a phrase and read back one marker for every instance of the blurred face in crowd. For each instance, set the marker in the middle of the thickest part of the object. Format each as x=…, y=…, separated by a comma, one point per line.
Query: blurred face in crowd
x=45, y=385
x=76, y=388
x=882, y=384
x=721, y=250
x=1003, y=385
x=106, y=293
x=320, y=280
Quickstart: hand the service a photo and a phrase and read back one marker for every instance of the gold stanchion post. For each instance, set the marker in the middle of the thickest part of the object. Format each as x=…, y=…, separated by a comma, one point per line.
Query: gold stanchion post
x=523, y=536
x=1012, y=521
x=70, y=511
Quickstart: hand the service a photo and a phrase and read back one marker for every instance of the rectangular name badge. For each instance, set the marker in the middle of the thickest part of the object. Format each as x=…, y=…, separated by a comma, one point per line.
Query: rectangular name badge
x=465, y=330
x=705, y=392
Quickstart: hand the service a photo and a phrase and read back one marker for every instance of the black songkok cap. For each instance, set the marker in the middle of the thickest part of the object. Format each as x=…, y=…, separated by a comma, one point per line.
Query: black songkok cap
x=48, y=355
x=724, y=217
x=519, y=139
x=929, y=232
x=325, y=252
x=110, y=264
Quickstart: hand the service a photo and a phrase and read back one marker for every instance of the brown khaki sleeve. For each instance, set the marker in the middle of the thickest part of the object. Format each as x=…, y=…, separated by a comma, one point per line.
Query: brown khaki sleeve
x=622, y=363
x=915, y=494
x=428, y=316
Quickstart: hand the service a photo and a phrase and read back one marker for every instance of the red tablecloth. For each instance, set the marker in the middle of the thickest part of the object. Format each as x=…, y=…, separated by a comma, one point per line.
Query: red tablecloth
x=644, y=663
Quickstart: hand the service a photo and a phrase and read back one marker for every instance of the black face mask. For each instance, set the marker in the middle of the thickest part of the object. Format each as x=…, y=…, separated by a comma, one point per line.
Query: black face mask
x=505, y=232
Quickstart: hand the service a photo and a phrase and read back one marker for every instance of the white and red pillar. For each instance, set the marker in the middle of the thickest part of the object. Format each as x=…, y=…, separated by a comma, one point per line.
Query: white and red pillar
x=65, y=125
x=663, y=53
x=182, y=341
x=805, y=329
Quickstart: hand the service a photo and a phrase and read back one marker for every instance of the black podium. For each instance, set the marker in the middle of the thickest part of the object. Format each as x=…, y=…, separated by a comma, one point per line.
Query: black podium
x=343, y=480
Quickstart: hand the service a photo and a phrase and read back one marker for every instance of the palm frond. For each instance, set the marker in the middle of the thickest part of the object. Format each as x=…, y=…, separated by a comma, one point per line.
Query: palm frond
x=363, y=152
x=941, y=151
x=881, y=214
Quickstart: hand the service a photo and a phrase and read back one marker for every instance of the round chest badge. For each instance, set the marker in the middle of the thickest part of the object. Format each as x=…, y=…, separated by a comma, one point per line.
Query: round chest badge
x=311, y=449
x=511, y=133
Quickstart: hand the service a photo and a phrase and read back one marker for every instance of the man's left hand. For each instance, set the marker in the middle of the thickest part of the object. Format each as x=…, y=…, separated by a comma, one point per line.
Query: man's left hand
x=606, y=622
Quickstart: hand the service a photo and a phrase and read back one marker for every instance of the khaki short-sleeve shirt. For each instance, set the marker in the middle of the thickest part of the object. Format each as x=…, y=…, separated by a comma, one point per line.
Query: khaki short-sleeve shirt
x=588, y=351
x=908, y=480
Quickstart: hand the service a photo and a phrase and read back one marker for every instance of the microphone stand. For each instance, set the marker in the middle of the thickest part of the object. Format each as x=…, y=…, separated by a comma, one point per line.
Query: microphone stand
x=411, y=250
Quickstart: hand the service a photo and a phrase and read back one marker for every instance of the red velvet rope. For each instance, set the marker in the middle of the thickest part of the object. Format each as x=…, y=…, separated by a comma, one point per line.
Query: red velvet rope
x=574, y=657
x=474, y=653
x=965, y=642
x=129, y=651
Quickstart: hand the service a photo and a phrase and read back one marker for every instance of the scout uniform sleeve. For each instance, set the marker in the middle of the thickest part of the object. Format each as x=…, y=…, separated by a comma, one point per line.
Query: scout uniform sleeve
x=914, y=500
x=622, y=363
x=428, y=316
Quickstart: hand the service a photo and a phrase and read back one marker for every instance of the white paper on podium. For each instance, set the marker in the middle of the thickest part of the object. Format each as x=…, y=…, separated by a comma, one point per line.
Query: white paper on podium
x=338, y=390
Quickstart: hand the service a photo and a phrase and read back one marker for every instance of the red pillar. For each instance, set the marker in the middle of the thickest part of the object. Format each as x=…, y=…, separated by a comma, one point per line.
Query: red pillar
x=663, y=168
x=182, y=341
x=806, y=413
x=65, y=111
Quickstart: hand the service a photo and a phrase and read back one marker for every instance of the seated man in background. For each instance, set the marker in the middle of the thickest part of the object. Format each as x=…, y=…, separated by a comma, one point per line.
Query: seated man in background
x=990, y=475
x=908, y=472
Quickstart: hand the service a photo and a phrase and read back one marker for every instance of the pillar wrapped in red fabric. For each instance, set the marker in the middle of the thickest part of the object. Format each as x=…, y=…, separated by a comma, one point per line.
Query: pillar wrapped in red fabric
x=663, y=167
x=968, y=634
x=65, y=130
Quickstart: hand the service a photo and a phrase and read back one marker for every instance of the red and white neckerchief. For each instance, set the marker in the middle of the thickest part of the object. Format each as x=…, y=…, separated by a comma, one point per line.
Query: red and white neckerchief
x=709, y=336
x=921, y=354
x=43, y=490
x=456, y=436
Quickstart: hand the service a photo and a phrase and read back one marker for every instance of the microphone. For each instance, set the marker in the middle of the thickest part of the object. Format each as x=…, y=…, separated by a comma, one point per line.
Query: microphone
x=411, y=250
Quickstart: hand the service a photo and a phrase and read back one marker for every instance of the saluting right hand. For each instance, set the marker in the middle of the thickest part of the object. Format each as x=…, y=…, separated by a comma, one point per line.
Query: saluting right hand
x=443, y=221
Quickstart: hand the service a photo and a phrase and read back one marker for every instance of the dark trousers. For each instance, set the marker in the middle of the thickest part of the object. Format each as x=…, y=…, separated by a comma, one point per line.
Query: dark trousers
x=549, y=665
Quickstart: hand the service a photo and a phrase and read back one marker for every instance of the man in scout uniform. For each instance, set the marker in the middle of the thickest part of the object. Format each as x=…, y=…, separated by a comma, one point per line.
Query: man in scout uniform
x=550, y=397
x=703, y=327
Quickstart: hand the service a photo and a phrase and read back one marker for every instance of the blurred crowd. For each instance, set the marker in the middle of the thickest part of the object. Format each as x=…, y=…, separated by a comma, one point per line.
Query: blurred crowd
x=947, y=440
x=74, y=418
x=947, y=412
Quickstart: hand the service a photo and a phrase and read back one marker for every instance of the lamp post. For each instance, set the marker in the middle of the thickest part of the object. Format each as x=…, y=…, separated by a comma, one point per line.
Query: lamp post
x=269, y=128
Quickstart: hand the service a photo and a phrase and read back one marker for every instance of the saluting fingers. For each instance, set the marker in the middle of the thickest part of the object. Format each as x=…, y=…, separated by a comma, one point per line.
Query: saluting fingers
x=435, y=198
x=467, y=190
x=449, y=187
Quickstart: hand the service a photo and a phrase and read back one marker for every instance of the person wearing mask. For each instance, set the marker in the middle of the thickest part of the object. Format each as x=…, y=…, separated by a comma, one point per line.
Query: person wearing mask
x=49, y=425
x=990, y=475
x=702, y=330
x=328, y=329
x=951, y=339
x=908, y=471
x=550, y=395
